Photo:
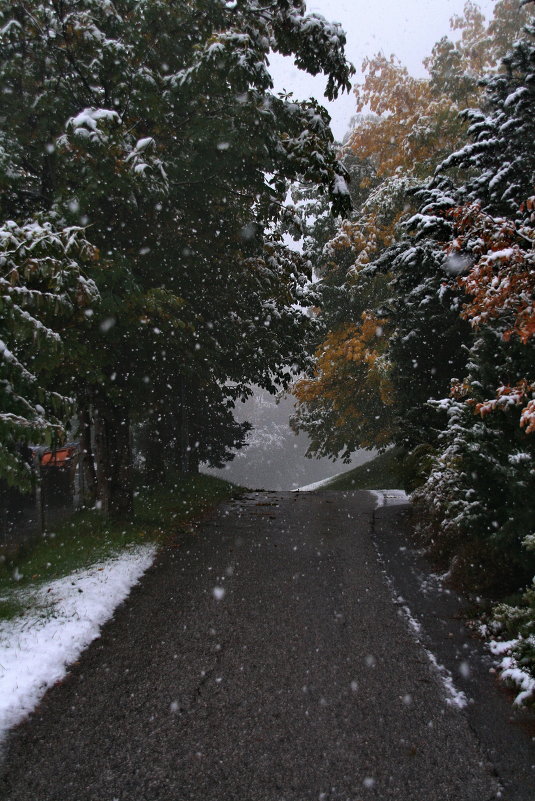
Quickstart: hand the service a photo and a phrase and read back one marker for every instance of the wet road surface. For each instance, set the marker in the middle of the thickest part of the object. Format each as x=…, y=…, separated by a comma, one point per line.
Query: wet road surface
x=262, y=658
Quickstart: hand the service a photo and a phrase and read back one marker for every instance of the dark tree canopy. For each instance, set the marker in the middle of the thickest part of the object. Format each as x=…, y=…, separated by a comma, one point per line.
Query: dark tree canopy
x=153, y=127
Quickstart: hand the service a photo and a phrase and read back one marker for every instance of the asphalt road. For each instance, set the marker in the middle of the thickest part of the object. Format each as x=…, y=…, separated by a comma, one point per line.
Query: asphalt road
x=263, y=658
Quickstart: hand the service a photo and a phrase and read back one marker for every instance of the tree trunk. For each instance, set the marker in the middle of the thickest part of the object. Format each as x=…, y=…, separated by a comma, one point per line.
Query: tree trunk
x=153, y=441
x=39, y=499
x=184, y=446
x=114, y=459
x=87, y=460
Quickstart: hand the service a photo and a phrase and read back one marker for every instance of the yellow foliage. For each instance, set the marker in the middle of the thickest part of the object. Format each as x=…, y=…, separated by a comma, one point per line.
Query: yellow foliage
x=367, y=235
x=413, y=127
x=414, y=122
x=351, y=377
x=407, y=127
x=416, y=119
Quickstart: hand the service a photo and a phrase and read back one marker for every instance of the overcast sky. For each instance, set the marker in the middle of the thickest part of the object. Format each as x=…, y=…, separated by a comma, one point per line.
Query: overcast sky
x=409, y=29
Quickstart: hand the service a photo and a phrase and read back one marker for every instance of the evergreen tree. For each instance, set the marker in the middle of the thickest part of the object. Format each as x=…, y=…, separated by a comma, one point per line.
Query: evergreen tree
x=482, y=484
x=387, y=261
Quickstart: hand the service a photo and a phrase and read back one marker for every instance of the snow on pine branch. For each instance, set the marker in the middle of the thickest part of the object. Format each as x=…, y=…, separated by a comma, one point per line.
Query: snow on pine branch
x=41, y=268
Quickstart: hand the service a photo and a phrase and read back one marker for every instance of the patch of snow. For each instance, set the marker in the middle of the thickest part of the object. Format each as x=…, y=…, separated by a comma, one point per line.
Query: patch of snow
x=389, y=497
x=499, y=648
x=85, y=124
x=414, y=625
x=317, y=484
x=143, y=144
x=515, y=96
x=454, y=697
x=510, y=670
x=66, y=616
x=340, y=185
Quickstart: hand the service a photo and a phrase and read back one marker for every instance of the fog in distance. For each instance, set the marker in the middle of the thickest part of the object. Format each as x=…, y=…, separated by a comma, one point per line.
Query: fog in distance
x=274, y=458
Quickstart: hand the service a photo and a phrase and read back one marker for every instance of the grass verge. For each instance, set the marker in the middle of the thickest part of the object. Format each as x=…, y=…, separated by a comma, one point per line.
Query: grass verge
x=86, y=538
x=383, y=472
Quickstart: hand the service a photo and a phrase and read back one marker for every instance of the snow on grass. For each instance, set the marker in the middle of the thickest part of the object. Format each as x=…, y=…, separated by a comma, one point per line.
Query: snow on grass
x=318, y=484
x=66, y=615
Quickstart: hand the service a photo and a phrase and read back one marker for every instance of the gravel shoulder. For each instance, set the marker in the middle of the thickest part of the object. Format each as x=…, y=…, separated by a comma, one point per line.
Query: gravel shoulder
x=505, y=732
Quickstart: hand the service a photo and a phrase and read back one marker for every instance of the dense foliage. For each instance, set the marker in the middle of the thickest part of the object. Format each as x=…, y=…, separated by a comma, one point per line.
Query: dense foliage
x=41, y=277
x=482, y=482
x=439, y=254
x=147, y=133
